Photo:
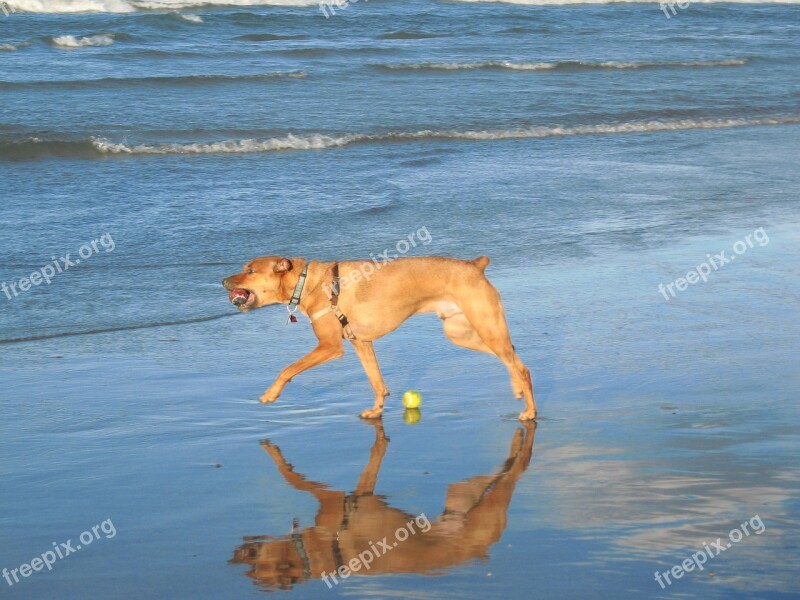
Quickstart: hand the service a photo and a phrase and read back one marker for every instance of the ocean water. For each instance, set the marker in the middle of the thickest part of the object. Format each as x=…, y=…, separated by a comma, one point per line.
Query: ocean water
x=593, y=151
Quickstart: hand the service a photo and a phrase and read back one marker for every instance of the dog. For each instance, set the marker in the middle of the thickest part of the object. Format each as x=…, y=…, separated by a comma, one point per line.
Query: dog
x=348, y=528
x=375, y=298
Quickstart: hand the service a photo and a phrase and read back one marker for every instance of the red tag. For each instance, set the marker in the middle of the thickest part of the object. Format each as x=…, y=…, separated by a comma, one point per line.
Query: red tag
x=293, y=319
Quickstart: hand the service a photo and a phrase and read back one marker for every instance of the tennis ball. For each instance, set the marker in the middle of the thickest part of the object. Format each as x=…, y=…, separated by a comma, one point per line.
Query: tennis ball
x=412, y=416
x=412, y=399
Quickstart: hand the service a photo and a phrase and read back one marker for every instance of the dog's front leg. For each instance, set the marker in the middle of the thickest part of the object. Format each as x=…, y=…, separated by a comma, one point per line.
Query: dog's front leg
x=369, y=476
x=329, y=333
x=321, y=354
x=366, y=353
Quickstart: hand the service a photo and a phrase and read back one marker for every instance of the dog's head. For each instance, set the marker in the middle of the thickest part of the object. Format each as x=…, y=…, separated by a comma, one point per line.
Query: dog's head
x=275, y=563
x=265, y=281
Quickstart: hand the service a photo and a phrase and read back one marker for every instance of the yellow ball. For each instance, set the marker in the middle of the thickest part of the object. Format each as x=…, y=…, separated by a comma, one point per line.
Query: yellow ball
x=412, y=416
x=412, y=399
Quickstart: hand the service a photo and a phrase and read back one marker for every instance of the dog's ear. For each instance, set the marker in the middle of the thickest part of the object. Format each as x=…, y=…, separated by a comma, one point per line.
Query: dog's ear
x=283, y=265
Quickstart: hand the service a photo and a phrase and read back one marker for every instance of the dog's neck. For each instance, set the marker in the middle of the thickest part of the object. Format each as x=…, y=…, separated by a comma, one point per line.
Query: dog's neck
x=313, y=297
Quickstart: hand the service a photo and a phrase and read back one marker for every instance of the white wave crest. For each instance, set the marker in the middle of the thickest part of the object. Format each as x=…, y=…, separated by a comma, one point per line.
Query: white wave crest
x=728, y=62
x=488, y=64
x=290, y=142
x=549, y=66
x=70, y=41
x=176, y=4
x=14, y=47
x=322, y=141
x=192, y=18
x=571, y=2
x=71, y=6
x=127, y=6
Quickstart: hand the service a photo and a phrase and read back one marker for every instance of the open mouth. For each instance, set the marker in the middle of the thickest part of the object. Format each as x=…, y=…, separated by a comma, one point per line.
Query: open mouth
x=241, y=299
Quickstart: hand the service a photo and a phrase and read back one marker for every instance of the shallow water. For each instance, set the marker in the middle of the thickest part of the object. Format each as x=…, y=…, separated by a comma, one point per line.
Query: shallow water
x=593, y=152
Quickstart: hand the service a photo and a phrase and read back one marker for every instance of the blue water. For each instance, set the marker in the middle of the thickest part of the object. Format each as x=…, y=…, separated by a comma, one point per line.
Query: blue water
x=592, y=151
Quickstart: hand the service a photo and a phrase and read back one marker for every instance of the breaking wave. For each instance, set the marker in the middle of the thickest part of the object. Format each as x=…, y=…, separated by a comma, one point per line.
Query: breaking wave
x=565, y=65
x=127, y=6
x=70, y=41
x=570, y=2
x=33, y=148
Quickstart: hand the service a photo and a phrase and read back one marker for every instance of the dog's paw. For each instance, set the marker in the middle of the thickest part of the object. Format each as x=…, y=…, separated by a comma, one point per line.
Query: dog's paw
x=527, y=415
x=371, y=413
x=269, y=396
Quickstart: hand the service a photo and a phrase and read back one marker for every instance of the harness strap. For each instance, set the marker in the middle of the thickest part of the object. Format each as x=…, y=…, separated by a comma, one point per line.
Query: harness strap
x=335, y=285
x=334, y=307
x=297, y=540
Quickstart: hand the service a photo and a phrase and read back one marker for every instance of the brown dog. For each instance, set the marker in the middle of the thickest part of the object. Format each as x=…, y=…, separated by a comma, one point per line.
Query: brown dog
x=348, y=526
x=374, y=299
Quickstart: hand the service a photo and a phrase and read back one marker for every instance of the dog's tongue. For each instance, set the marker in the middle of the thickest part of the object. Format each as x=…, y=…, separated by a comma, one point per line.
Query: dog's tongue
x=238, y=297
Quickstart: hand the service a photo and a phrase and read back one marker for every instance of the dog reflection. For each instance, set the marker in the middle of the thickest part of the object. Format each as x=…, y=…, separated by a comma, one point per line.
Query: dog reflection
x=361, y=523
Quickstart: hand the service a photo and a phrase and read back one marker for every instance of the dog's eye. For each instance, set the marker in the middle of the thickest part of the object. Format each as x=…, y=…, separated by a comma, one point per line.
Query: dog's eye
x=250, y=271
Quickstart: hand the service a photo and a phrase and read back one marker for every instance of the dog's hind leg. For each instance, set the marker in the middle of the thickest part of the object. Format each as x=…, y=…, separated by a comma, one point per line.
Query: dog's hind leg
x=460, y=331
x=366, y=353
x=484, y=311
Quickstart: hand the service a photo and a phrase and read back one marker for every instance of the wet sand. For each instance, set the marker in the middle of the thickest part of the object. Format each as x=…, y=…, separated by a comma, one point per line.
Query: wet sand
x=664, y=426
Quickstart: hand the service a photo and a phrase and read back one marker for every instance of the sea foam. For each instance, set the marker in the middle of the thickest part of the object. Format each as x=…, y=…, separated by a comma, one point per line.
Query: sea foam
x=70, y=41
x=570, y=2
x=32, y=148
x=318, y=141
x=565, y=65
x=127, y=6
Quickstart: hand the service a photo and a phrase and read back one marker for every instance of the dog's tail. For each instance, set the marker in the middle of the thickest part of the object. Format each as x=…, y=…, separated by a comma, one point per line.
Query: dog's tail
x=481, y=262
